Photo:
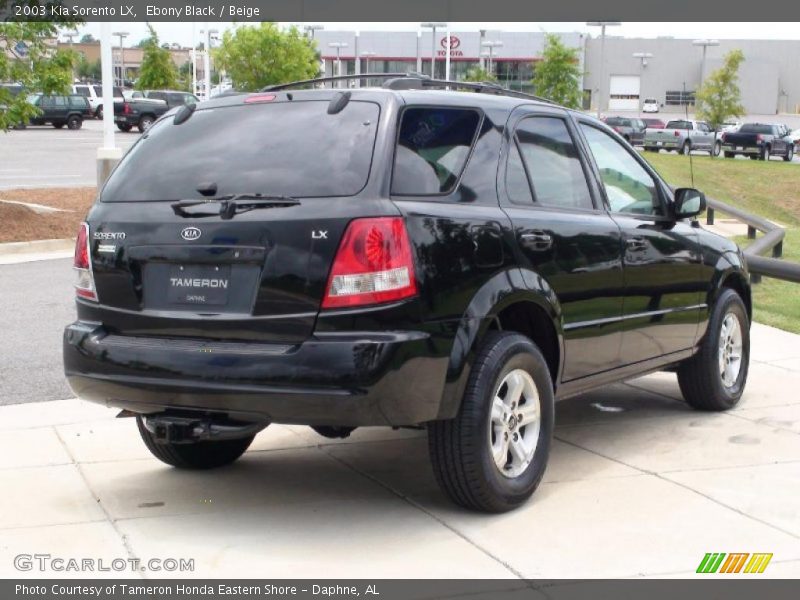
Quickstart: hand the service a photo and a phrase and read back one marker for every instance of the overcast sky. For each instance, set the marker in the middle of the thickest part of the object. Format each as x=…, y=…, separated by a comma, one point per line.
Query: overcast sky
x=181, y=33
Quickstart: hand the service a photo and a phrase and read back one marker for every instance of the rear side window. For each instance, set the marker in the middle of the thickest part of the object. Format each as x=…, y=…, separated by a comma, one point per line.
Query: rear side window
x=755, y=128
x=82, y=90
x=433, y=145
x=679, y=125
x=552, y=162
x=77, y=102
x=285, y=148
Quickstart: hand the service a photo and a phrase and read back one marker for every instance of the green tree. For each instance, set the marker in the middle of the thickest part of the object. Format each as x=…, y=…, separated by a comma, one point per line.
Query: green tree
x=255, y=56
x=719, y=98
x=557, y=76
x=87, y=70
x=88, y=38
x=157, y=70
x=35, y=63
x=479, y=75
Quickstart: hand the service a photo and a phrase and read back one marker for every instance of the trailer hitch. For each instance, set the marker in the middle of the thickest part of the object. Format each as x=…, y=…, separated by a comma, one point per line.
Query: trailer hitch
x=170, y=429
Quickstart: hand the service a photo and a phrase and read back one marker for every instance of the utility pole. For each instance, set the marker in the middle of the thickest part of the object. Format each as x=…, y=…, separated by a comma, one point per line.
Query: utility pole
x=602, y=25
x=108, y=155
x=704, y=44
x=642, y=56
x=338, y=46
x=432, y=27
x=491, y=46
x=121, y=35
x=311, y=29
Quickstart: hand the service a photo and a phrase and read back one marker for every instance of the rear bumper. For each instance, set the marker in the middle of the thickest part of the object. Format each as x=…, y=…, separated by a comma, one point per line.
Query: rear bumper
x=373, y=378
x=741, y=149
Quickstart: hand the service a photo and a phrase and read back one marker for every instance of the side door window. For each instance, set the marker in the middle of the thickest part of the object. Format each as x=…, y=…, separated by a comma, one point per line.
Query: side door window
x=551, y=163
x=629, y=187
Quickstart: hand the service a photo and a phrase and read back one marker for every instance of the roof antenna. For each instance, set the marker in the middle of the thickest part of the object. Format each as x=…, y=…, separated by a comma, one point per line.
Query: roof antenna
x=686, y=107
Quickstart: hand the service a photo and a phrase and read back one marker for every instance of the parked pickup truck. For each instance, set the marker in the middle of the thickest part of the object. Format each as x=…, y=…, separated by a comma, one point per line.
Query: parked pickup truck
x=758, y=141
x=137, y=112
x=681, y=135
x=631, y=129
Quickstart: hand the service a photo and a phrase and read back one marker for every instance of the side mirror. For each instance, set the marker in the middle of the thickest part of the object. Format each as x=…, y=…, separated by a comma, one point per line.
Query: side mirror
x=689, y=202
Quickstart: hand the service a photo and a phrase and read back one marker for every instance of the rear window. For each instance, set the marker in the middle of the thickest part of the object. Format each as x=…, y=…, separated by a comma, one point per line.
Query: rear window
x=755, y=128
x=286, y=148
x=77, y=102
x=432, y=148
x=679, y=125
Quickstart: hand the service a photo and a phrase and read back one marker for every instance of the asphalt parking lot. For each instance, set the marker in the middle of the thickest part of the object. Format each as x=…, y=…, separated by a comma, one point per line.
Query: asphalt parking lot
x=43, y=156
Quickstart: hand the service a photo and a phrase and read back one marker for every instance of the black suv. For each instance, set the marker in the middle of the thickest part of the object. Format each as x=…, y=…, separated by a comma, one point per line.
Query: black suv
x=400, y=256
x=61, y=110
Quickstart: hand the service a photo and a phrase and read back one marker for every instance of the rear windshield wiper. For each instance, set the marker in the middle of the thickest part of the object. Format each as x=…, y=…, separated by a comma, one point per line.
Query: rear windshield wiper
x=232, y=204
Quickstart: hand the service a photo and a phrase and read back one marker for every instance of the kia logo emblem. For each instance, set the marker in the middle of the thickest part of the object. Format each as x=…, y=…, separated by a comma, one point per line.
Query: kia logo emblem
x=454, y=42
x=191, y=233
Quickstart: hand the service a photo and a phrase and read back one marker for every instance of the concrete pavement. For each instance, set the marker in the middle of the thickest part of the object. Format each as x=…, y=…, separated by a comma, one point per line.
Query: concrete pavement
x=638, y=485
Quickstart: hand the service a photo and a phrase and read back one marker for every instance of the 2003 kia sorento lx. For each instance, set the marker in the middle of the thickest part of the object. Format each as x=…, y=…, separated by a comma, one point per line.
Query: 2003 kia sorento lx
x=399, y=256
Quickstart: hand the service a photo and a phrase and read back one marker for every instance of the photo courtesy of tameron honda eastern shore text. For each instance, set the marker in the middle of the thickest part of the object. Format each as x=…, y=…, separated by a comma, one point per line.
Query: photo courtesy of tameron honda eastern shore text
x=402, y=255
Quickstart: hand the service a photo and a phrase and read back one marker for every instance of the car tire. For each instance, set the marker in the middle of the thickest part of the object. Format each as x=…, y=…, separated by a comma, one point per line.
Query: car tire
x=754, y=157
x=196, y=455
x=729, y=155
x=712, y=379
x=686, y=148
x=650, y=149
x=789, y=154
x=765, y=153
x=483, y=460
x=58, y=125
x=74, y=122
x=717, y=149
x=124, y=128
x=145, y=123
x=99, y=113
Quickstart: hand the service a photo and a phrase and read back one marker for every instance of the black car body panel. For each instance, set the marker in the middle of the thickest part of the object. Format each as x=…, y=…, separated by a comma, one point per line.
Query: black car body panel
x=612, y=295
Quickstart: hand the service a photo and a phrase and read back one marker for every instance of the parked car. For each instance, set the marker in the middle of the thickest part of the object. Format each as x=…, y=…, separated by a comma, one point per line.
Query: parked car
x=171, y=97
x=60, y=110
x=631, y=129
x=795, y=137
x=453, y=261
x=758, y=141
x=682, y=135
x=650, y=105
x=93, y=93
x=137, y=112
x=651, y=123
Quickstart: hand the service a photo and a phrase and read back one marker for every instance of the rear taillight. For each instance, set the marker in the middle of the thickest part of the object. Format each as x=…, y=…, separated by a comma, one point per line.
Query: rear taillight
x=84, y=280
x=373, y=265
x=126, y=109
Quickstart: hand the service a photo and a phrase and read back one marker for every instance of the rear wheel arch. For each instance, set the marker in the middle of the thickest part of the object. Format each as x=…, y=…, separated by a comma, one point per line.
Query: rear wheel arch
x=504, y=303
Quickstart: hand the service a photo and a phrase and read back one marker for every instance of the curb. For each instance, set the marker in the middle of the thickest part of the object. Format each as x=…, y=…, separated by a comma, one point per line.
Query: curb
x=37, y=247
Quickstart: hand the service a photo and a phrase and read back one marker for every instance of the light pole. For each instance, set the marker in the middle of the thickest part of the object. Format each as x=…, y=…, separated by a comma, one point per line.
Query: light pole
x=642, y=56
x=704, y=44
x=367, y=55
x=491, y=46
x=602, y=25
x=70, y=35
x=338, y=46
x=432, y=27
x=121, y=35
x=311, y=29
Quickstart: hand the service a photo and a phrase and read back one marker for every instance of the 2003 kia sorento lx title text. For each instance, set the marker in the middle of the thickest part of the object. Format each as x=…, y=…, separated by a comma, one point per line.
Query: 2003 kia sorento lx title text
x=396, y=256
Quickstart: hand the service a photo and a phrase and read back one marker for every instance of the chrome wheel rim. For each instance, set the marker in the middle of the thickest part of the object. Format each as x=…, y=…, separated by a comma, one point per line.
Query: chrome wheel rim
x=730, y=350
x=514, y=423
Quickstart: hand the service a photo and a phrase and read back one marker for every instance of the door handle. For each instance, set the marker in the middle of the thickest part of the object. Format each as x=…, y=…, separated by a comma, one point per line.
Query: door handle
x=535, y=239
x=636, y=244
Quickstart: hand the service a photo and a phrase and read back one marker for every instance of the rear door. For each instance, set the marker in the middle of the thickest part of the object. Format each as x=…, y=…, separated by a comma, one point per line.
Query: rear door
x=663, y=278
x=260, y=275
x=565, y=236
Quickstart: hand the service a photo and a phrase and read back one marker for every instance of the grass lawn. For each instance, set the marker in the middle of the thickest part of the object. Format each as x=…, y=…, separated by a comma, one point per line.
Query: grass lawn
x=771, y=190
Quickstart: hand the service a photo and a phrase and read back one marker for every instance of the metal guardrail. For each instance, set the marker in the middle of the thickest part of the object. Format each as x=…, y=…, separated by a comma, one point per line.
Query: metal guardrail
x=771, y=240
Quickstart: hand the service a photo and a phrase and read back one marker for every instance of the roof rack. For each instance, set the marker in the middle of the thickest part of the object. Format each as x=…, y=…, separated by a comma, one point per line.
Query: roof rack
x=415, y=81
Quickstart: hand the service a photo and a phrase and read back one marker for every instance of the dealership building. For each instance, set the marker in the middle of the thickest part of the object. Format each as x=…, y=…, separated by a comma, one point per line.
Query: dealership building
x=665, y=68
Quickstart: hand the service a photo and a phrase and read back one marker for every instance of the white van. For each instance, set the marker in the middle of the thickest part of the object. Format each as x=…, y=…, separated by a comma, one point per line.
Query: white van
x=93, y=92
x=650, y=105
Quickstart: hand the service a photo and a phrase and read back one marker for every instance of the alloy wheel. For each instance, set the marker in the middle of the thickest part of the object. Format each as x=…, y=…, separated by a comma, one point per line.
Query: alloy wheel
x=730, y=350
x=514, y=423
